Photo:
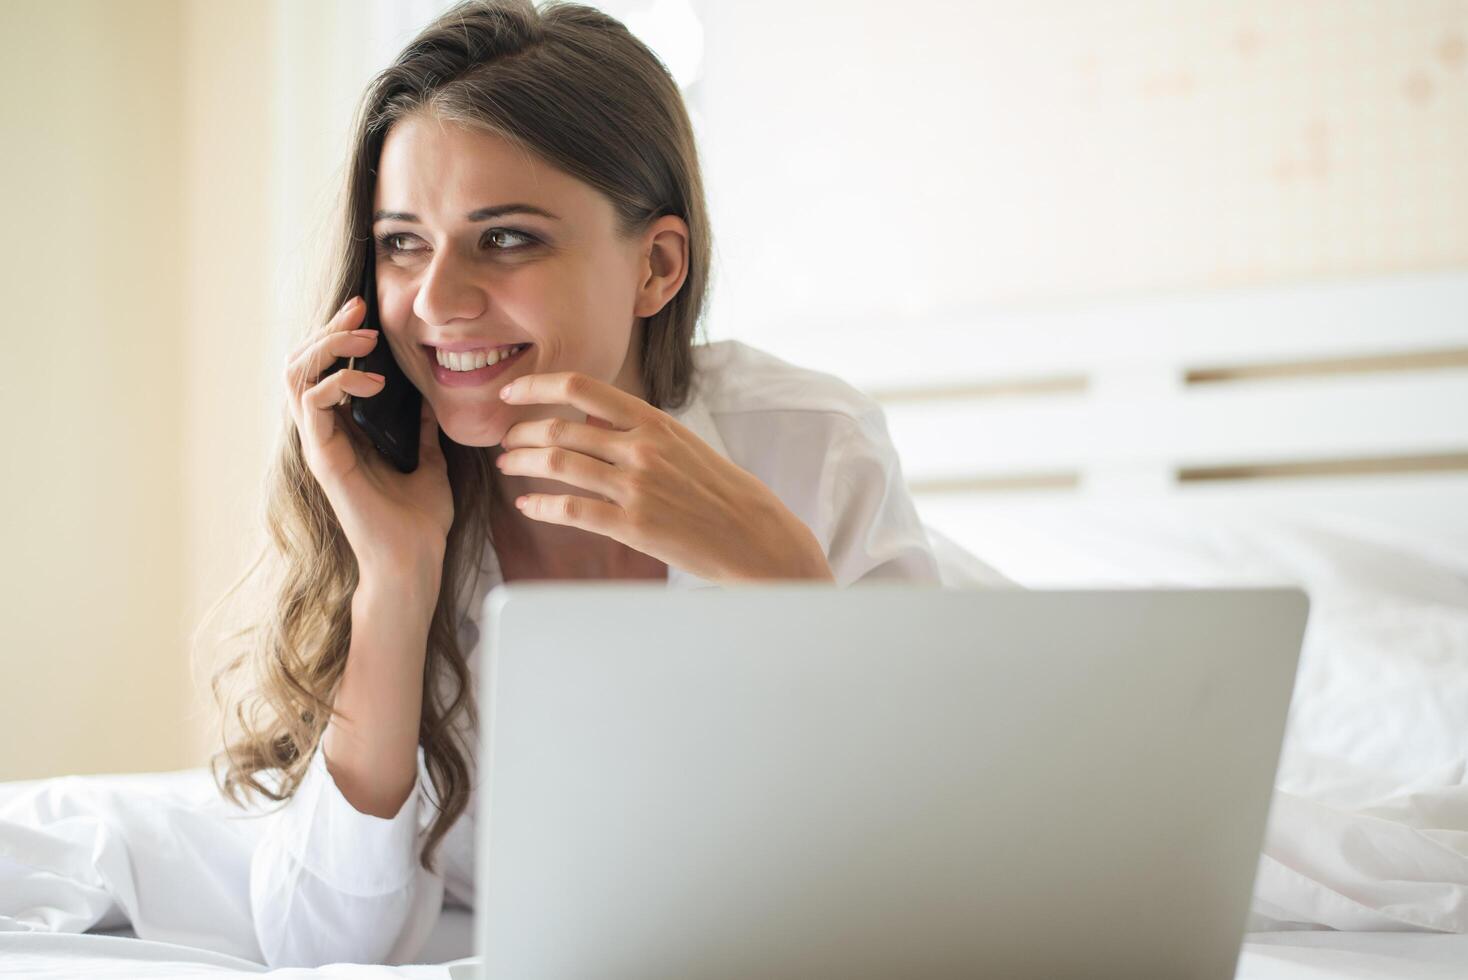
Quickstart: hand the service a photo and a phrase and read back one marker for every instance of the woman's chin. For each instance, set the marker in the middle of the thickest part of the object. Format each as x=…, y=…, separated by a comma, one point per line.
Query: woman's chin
x=473, y=429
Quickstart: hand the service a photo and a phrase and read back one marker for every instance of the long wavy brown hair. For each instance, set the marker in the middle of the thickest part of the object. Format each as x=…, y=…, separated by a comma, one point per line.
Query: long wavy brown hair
x=572, y=85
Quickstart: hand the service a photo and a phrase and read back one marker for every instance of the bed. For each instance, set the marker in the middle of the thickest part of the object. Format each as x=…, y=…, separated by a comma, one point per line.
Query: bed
x=1315, y=435
x=1265, y=956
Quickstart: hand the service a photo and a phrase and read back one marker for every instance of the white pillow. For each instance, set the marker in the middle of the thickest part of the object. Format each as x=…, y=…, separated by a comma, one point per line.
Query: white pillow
x=1368, y=826
x=1383, y=677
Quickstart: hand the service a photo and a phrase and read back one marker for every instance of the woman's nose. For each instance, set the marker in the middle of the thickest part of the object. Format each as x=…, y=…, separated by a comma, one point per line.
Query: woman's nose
x=448, y=291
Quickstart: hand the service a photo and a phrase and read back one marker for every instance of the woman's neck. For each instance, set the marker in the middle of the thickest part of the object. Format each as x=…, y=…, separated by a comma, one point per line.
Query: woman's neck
x=527, y=548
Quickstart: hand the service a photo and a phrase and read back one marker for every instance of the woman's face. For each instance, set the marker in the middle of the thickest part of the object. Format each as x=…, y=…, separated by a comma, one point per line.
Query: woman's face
x=455, y=284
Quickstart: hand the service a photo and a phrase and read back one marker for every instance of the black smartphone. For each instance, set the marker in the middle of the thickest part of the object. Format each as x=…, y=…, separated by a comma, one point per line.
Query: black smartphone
x=391, y=417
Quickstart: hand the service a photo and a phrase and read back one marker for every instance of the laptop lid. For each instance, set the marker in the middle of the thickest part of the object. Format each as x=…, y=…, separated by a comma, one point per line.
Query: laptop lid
x=881, y=781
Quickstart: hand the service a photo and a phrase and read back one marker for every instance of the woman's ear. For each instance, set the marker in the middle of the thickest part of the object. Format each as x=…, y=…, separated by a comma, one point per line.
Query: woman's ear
x=664, y=265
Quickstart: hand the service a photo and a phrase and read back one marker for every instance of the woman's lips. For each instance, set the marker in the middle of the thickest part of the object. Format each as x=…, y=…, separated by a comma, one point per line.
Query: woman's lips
x=478, y=376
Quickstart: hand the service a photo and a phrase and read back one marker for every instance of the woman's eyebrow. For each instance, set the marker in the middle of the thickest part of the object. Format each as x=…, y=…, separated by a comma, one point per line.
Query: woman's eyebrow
x=482, y=214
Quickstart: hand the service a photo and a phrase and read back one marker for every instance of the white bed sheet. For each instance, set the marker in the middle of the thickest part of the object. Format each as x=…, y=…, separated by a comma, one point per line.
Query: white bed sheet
x=1296, y=955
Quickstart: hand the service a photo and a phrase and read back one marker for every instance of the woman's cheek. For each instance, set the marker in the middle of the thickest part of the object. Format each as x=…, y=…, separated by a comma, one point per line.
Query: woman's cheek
x=405, y=351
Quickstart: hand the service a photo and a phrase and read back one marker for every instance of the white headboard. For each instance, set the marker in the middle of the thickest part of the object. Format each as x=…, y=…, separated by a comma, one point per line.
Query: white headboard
x=1349, y=397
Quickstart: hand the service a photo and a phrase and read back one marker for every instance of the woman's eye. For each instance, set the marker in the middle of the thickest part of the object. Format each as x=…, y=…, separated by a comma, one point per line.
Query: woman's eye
x=498, y=232
x=389, y=242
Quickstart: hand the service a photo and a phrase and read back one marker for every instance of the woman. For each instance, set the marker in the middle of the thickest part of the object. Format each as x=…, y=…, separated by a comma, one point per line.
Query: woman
x=529, y=185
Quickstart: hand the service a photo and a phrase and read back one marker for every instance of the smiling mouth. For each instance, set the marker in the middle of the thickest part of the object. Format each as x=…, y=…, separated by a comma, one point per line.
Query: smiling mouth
x=473, y=360
x=470, y=368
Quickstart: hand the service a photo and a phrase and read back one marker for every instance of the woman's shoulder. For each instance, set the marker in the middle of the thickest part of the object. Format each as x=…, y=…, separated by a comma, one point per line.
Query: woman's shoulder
x=822, y=446
x=733, y=378
x=794, y=427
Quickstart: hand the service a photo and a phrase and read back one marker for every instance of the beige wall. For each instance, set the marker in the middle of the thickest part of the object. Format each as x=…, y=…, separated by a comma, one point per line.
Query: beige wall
x=1052, y=152
x=93, y=292
x=134, y=290
x=227, y=333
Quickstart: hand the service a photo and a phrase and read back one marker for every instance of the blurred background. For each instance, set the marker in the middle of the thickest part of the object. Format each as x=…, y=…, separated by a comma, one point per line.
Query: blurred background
x=1049, y=235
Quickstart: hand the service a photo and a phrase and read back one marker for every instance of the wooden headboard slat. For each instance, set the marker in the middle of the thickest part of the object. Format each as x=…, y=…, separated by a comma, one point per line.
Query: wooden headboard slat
x=1424, y=360
x=998, y=483
x=1361, y=466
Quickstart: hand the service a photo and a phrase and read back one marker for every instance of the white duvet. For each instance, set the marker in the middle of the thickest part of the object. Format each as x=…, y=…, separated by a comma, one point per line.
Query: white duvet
x=1367, y=832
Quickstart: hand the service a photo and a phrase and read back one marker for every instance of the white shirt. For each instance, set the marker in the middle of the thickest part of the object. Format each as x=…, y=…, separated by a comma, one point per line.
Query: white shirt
x=329, y=883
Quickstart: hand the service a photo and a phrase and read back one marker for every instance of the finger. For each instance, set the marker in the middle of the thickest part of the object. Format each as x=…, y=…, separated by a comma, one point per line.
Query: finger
x=337, y=322
x=306, y=370
x=349, y=317
x=593, y=440
x=594, y=397
x=572, y=511
x=564, y=465
x=345, y=319
x=320, y=401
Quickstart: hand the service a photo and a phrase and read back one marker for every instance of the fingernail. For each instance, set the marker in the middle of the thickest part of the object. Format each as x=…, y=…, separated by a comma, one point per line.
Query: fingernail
x=348, y=305
x=364, y=332
x=374, y=376
x=509, y=390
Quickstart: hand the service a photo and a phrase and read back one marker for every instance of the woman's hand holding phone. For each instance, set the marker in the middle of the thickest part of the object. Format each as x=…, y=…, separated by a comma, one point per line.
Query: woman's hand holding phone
x=394, y=521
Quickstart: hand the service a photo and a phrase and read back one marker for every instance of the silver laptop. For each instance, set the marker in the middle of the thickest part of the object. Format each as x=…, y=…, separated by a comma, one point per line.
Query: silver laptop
x=888, y=780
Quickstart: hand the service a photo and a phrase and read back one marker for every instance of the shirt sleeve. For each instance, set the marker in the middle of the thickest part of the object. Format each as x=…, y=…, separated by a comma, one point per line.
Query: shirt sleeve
x=873, y=528
x=331, y=884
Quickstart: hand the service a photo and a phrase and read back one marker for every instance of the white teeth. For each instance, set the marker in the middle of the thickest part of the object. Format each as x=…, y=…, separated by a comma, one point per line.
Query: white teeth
x=475, y=359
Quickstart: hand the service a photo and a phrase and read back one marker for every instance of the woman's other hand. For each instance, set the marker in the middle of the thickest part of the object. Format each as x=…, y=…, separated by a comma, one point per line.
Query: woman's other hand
x=667, y=493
